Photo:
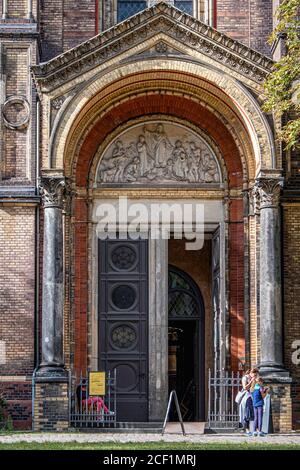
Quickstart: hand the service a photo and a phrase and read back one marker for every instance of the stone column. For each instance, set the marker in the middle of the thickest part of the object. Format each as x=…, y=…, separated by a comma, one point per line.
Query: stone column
x=52, y=190
x=271, y=332
x=158, y=329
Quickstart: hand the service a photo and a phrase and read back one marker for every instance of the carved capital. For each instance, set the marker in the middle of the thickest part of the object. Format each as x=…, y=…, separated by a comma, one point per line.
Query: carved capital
x=268, y=190
x=54, y=191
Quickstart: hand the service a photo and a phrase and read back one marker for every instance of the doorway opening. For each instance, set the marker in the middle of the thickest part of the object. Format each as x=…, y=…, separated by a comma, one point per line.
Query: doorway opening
x=186, y=344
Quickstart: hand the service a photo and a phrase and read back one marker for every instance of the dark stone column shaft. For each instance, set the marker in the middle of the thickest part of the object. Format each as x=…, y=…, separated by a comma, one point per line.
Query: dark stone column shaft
x=52, y=190
x=271, y=333
x=52, y=304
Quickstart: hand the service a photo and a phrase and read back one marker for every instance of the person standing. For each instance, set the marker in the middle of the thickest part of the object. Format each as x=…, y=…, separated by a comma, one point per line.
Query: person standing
x=245, y=407
x=258, y=392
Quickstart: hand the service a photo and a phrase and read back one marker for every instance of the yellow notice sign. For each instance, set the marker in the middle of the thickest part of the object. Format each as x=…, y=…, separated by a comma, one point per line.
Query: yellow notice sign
x=96, y=383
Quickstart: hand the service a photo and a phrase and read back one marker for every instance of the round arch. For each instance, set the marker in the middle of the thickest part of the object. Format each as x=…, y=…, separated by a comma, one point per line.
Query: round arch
x=78, y=111
x=183, y=285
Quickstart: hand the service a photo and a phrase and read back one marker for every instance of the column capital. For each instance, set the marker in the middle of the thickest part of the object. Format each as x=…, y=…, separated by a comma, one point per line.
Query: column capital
x=54, y=190
x=267, y=191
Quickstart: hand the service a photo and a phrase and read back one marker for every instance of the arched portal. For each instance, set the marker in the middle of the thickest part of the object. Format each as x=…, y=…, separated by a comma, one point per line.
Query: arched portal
x=155, y=73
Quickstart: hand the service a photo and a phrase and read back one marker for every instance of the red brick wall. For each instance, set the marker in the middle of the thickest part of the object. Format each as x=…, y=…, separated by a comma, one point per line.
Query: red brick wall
x=65, y=25
x=80, y=229
x=248, y=21
x=236, y=283
x=18, y=398
x=165, y=104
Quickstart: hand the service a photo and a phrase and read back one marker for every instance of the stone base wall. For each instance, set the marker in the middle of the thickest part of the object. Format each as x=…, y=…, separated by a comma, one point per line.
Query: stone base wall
x=281, y=407
x=51, y=406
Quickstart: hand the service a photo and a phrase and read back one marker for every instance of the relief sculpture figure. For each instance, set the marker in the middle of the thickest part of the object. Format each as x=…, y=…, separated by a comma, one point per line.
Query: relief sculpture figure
x=156, y=156
x=159, y=145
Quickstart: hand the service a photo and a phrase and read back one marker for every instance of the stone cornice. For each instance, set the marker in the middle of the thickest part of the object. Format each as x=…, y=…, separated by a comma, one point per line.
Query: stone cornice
x=161, y=18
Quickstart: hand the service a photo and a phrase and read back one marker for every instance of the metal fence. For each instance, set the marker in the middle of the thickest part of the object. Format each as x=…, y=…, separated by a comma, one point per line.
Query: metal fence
x=223, y=412
x=92, y=412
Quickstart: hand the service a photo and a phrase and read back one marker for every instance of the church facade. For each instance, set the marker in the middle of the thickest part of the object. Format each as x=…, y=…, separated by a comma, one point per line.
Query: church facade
x=147, y=101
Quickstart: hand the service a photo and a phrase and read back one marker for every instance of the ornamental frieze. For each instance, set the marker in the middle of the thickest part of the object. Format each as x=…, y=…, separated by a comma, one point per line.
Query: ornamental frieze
x=158, y=153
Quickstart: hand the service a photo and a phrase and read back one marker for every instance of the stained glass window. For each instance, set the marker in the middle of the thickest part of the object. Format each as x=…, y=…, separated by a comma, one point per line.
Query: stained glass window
x=185, y=5
x=184, y=297
x=127, y=8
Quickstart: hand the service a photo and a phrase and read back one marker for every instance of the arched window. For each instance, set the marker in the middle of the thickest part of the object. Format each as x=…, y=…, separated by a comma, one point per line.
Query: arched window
x=185, y=299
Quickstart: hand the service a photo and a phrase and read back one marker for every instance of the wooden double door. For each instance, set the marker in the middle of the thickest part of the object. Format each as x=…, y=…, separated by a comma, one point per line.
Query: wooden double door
x=123, y=322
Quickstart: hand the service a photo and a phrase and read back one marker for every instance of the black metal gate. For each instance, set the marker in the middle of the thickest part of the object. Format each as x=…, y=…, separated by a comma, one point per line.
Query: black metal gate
x=92, y=412
x=223, y=411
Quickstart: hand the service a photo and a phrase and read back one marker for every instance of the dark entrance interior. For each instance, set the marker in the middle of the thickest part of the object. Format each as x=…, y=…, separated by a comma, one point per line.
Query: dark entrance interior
x=186, y=344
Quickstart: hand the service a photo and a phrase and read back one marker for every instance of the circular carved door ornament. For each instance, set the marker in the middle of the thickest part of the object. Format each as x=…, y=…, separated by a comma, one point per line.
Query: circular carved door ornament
x=16, y=112
x=123, y=337
x=123, y=296
x=123, y=258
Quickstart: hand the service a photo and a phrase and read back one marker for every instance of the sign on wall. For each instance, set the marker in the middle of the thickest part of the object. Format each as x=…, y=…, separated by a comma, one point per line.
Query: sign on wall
x=96, y=383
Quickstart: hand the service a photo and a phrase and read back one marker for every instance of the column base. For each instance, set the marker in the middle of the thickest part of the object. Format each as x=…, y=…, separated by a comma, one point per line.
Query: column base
x=51, y=399
x=273, y=371
x=46, y=373
x=281, y=405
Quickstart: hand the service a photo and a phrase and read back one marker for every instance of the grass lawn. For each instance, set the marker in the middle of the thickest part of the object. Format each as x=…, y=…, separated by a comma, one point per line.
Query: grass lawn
x=146, y=446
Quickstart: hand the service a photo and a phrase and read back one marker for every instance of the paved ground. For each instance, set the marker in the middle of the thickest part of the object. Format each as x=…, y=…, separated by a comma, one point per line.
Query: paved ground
x=113, y=437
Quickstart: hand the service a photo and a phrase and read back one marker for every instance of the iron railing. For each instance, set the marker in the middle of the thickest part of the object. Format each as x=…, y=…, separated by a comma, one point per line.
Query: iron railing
x=92, y=412
x=223, y=411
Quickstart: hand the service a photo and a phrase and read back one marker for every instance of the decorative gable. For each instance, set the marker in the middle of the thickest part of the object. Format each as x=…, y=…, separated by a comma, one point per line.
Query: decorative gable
x=161, y=18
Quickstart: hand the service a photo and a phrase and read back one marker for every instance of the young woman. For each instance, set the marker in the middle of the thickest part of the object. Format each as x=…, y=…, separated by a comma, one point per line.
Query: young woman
x=246, y=411
x=258, y=392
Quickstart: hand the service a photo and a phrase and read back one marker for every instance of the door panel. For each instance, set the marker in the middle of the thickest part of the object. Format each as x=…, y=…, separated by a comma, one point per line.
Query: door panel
x=123, y=322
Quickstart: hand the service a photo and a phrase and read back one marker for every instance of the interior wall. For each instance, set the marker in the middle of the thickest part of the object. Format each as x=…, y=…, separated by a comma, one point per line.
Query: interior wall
x=198, y=265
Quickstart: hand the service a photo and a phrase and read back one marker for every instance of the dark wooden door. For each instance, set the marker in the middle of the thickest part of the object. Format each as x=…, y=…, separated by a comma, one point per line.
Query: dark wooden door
x=123, y=322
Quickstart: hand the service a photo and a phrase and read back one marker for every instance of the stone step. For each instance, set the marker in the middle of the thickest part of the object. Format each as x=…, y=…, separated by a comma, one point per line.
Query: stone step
x=133, y=425
x=189, y=427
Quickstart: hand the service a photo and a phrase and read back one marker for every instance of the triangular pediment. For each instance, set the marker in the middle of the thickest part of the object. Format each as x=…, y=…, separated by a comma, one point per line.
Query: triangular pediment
x=161, y=19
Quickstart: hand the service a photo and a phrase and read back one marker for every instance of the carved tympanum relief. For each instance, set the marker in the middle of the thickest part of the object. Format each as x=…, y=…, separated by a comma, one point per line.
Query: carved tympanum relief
x=158, y=153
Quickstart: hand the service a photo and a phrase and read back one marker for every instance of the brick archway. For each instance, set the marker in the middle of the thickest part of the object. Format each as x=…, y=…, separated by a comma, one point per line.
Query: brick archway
x=177, y=106
x=184, y=108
